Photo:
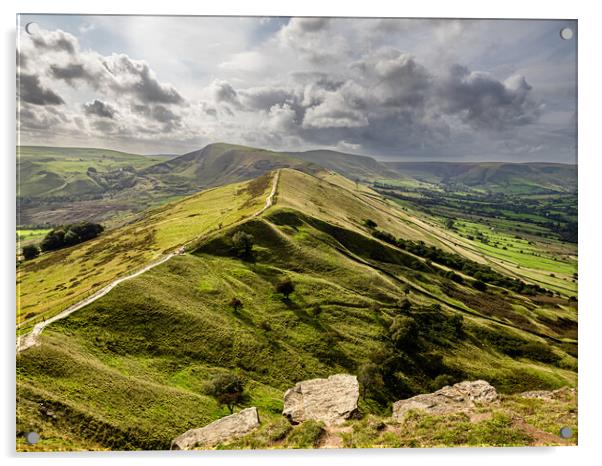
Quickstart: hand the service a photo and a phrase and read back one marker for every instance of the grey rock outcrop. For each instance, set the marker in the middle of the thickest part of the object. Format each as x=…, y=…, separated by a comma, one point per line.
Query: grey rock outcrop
x=331, y=400
x=227, y=428
x=463, y=396
x=549, y=395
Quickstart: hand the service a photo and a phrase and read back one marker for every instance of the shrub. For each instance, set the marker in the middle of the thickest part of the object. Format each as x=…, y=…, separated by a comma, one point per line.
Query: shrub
x=285, y=287
x=242, y=243
x=403, y=332
x=306, y=435
x=227, y=390
x=315, y=310
x=479, y=285
x=370, y=379
x=236, y=304
x=30, y=252
x=370, y=223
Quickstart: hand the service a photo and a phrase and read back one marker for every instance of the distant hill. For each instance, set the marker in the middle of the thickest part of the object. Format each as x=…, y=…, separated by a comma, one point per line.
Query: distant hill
x=66, y=171
x=349, y=165
x=493, y=176
x=219, y=164
x=62, y=185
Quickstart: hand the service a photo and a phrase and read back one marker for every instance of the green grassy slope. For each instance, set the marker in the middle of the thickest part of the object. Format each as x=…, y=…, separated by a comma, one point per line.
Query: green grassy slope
x=63, y=171
x=54, y=280
x=128, y=371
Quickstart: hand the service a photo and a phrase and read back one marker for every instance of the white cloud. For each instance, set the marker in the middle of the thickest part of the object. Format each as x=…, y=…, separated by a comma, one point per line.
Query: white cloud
x=387, y=87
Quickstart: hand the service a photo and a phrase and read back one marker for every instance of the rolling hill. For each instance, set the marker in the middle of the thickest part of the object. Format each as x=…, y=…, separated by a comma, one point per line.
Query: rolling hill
x=354, y=167
x=128, y=371
x=66, y=171
x=493, y=176
x=63, y=185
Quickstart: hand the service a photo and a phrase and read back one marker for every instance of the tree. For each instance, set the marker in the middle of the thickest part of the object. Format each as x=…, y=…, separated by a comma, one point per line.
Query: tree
x=404, y=305
x=228, y=390
x=403, y=333
x=285, y=287
x=54, y=239
x=370, y=223
x=30, y=252
x=369, y=378
x=242, y=243
x=236, y=304
x=479, y=285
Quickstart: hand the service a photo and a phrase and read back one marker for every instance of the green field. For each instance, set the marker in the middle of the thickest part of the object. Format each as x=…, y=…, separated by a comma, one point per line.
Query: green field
x=62, y=171
x=128, y=371
x=31, y=235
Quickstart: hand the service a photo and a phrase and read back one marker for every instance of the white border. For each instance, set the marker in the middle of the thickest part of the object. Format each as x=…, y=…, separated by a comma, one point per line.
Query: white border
x=590, y=173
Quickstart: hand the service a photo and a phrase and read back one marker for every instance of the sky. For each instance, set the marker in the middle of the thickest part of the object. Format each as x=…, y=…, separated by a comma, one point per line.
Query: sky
x=394, y=89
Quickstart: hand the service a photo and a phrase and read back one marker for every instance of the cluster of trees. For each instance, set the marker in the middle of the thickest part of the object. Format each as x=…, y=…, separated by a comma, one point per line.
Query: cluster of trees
x=409, y=359
x=483, y=274
x=69, y=235
x=62, y=237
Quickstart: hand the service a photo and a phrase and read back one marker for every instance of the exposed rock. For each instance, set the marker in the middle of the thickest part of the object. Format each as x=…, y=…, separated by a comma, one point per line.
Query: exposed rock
x=463, y=396
x=549, y=395
x=331, y=400
x=227, y=428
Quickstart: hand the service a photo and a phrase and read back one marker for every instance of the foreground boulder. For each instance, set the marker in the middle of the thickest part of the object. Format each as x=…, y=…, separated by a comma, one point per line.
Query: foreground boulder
x=331, y=400
x=460, y=397
x=226, y=428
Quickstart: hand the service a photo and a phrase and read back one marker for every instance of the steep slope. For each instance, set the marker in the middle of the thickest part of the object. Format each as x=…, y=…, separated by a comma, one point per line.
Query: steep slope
x=129, y=370
x=493, y=176
x=55, y=280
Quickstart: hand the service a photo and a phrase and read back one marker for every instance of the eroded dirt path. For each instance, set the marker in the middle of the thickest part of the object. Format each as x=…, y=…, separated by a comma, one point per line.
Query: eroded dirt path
x=30, y=339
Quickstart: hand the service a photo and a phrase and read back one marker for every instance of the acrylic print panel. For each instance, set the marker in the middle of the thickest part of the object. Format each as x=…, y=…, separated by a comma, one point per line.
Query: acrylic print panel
x=277, y=233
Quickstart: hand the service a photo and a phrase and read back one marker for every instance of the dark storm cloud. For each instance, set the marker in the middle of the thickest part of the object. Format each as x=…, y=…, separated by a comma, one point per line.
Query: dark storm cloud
x=224, y=92
x=311, y=24
x=395, y=78
x=116, y=74
x=69, y=72
x=484, y=102
x=32, y=91
x=100, y=109
x=41, y=119
x=135, y=77
x=164, y=115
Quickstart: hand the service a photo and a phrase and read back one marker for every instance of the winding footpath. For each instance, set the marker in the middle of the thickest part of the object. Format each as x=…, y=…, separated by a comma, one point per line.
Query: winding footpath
x=27, y=341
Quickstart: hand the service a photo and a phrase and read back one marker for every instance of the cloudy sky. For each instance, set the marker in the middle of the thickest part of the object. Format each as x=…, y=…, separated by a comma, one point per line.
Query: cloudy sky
x=389, y=88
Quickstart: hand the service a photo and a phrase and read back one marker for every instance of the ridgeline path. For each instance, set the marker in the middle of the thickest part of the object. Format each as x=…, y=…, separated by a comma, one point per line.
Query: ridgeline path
x=30, y=339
